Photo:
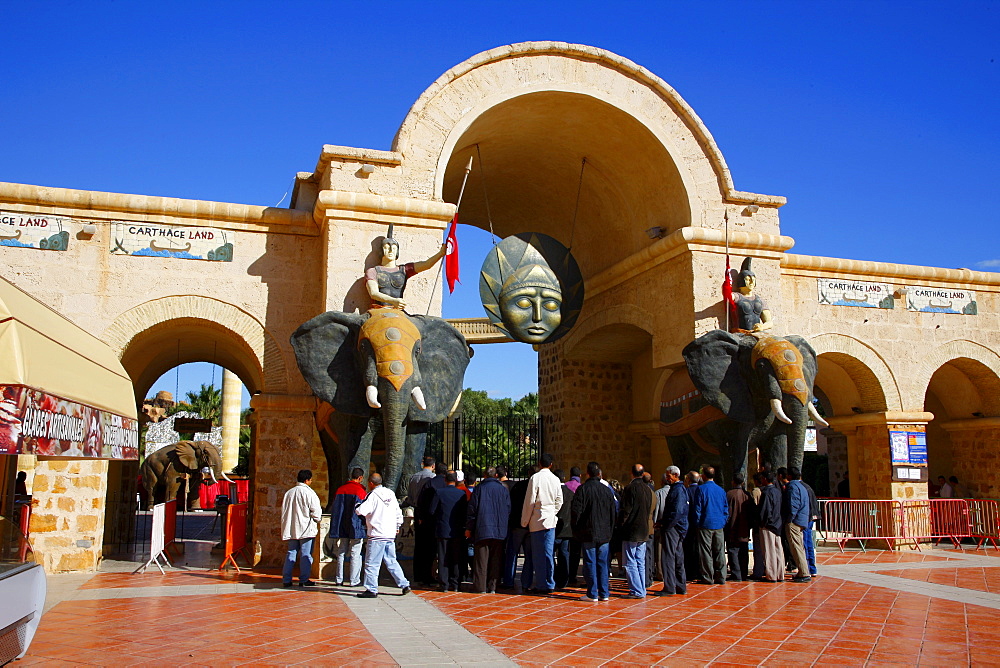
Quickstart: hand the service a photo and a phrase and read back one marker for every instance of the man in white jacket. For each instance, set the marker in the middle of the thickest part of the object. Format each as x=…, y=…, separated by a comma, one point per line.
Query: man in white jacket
x=542, y=501
x=300, y=516
x=383, y=517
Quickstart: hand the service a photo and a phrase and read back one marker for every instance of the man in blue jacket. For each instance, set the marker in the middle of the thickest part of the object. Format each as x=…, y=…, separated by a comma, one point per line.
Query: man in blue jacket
x=795, y=511
x=347, y=529
x=711, y=510
x=673, y=528
x=448, y=508
x=486, y=525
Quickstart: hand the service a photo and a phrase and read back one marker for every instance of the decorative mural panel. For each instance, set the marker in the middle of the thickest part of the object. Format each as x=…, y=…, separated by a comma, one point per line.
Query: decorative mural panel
x=839, y=292
x=173, y=241
x=33, y=231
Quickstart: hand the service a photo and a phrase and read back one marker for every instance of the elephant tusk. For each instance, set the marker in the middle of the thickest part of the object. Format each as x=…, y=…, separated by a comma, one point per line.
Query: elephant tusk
x=224, y=476
x=215, y=481
x=418, y=398
x=371, y=394
x=816, y=416
x=779, y=412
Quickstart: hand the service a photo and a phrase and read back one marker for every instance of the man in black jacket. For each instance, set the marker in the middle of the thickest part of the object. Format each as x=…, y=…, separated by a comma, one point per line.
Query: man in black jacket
x=593, y=519
x=486, y=524
x=517, y=537
x=770, y=529
x=636, y=521
x=673, y=527
x=424, y=543
x=449, y=511
x=564, y=532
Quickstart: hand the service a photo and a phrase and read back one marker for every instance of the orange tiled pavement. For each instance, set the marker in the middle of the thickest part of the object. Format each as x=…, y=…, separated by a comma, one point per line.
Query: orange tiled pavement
x=980, y=579
x=260, y=629
x=828, y=622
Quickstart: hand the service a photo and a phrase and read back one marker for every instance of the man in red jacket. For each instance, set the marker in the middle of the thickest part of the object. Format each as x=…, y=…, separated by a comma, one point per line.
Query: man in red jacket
x=347, y=529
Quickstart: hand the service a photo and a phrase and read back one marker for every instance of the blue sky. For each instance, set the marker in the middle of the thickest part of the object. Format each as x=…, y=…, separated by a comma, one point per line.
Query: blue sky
x=877, y=120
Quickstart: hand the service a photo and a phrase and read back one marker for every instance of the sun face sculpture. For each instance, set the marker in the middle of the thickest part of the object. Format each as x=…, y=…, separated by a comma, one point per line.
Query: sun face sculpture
x=522, y=292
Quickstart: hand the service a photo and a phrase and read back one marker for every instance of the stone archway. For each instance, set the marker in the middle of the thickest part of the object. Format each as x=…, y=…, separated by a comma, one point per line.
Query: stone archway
x=215, y=331
x=962, y=393
x=853, y=376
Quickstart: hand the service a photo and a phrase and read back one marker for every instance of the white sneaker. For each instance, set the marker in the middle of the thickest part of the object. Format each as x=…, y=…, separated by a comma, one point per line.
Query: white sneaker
x=604, y=598
x=588, y=599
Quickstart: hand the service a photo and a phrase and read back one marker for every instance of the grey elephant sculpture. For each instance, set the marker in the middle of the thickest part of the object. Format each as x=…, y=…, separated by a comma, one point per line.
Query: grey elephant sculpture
x=162, y=471
x=746, y=392
x=389, y=373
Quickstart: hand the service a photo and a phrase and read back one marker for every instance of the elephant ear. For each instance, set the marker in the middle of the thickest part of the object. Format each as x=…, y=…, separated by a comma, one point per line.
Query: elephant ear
x=326, y=353
x=444, y=357
x=213, y=452
x=713, y=362
x=809, y=364
x=186, y=455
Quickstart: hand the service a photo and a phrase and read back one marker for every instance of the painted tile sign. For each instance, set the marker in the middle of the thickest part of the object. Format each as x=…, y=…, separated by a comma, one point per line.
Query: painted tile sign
x=838, y=292
x=940, y=300
x=33, y=422
x=174, y=241
x=33, y=231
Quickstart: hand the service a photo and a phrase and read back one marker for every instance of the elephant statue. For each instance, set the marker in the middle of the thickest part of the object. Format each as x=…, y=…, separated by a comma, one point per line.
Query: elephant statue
x=162, y=471
x=384, y=372
x=742, y=392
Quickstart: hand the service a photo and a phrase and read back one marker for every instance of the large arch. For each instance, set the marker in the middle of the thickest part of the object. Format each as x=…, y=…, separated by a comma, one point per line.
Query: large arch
x=616, y=334
x=853, y=376
x=532, y=112
x=146, y=338
x=973, y=360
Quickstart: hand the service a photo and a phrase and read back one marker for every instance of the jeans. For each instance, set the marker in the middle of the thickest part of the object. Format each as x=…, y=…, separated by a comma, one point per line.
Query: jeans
x=515, y=539
x=379, y=550
x=562, y=562
x=341, y=546
x=542, y=546
x=574, y=560
x=595, y=569
x=635, y=566
x=299, y=550
x=807, y=541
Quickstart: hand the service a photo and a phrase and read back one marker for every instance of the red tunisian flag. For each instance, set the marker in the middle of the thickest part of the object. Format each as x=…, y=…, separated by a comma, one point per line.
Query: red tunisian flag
x=451, y=259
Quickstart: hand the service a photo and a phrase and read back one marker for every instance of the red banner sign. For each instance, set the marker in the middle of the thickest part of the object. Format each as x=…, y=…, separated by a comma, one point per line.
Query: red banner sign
x=33, y=422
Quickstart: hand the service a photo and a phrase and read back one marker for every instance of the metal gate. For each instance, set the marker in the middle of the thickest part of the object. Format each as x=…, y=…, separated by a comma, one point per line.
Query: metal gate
x=475, y=444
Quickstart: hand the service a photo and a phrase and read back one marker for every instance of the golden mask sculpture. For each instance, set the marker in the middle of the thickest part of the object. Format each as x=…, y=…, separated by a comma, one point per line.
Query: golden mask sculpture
x=531, y=288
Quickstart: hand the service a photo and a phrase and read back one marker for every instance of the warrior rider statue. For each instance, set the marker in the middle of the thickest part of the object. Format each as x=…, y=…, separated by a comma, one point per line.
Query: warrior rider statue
x=751, y=317
x=388, y=328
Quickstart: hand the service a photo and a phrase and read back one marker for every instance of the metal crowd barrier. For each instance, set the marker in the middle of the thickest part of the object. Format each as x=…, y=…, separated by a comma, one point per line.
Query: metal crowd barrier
x=916, y=521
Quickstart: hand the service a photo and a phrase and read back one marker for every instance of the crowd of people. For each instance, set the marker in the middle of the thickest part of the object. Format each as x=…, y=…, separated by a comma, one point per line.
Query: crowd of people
x=689, y=530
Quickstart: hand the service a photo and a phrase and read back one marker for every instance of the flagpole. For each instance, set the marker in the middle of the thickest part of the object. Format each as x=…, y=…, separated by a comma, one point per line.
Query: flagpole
x=461, y=193
x=727, y=265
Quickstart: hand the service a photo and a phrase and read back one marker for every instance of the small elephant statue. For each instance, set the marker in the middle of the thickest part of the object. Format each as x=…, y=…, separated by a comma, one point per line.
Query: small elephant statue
x=162, y=471
x=388, y=372
x=753, y=391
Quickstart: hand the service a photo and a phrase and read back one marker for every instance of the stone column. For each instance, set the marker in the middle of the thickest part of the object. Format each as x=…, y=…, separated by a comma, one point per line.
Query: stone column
x=67, y=523
x=870, y=456
x=231, y=391
x=284, y=434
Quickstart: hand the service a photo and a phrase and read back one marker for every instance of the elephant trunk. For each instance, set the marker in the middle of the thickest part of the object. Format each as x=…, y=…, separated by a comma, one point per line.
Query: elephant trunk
x=395, y=405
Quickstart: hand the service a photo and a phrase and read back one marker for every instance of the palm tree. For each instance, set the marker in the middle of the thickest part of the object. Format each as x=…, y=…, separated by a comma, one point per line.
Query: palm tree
x=206, y=402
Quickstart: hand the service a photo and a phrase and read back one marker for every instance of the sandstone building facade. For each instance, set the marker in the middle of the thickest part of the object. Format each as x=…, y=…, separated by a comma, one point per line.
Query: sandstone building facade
x=650, y=163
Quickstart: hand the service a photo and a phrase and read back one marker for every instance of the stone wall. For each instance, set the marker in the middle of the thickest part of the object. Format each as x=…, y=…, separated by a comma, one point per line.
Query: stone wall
x=587, y=411
x=976, y=457
x=67, y=523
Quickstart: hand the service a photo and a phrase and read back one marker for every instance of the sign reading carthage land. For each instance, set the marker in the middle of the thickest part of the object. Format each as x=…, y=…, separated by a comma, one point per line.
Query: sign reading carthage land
x=840, y=292
x=173, y=241
x=33, y=231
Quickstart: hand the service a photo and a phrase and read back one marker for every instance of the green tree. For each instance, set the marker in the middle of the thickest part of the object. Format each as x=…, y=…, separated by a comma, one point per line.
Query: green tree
x=206, y=402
